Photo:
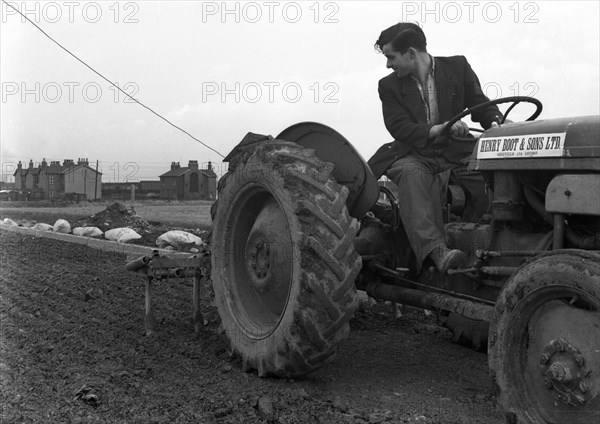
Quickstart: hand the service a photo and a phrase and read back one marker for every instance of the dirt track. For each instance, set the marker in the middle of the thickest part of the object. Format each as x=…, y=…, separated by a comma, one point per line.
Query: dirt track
x=72, y=316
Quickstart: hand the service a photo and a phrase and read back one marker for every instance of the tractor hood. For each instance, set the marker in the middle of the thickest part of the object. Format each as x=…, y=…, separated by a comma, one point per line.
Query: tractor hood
x=564, y=143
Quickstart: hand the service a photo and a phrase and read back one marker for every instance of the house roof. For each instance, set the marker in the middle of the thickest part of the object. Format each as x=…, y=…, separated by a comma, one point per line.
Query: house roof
x=73, y=167
x=177, y=172
x=209, y=173
x=53, y=169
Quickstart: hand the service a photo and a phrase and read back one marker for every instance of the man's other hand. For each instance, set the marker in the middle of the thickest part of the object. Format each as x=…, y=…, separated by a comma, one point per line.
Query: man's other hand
x=496, y=124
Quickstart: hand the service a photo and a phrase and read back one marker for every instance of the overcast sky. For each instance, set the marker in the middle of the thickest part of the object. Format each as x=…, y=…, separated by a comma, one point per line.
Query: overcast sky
x=221, y=69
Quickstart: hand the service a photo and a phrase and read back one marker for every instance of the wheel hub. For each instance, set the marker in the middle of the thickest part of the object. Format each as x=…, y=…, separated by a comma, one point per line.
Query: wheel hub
x=267, y=265
x=259, y=261
x=562, y=368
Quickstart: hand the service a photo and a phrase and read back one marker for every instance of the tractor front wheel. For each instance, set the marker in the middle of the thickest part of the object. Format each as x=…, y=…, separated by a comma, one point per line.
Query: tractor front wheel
x=544, y=346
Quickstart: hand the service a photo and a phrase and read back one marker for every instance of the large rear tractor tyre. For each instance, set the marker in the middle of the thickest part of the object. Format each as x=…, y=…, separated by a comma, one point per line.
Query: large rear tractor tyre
x=283, y=259
x=544, y=346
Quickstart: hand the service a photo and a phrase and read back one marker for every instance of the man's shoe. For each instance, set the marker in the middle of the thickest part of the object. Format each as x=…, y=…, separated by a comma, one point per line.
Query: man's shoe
x=446, y=259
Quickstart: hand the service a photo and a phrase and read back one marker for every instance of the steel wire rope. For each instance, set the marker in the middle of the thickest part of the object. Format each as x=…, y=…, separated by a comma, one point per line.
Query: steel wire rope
x=110, y=82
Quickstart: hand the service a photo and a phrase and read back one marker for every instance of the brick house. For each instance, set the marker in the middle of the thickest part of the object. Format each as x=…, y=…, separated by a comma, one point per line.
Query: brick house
x=189, y=183
x=55, y=181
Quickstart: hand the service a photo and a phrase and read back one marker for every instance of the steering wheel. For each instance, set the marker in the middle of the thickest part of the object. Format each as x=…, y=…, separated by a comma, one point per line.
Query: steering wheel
x=515, y=101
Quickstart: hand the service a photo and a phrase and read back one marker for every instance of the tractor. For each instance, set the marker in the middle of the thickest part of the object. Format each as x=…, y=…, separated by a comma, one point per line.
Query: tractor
x=301, y=224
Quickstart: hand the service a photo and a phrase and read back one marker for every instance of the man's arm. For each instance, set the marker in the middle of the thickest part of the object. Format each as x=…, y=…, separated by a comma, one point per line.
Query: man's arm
x=399, y=122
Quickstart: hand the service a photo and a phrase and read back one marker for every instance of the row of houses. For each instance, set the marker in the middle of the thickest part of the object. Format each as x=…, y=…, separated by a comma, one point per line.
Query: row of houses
x=56, y=181
x=79, y=181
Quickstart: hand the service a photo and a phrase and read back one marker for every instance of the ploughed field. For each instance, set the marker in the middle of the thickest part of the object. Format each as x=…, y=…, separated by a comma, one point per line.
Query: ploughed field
x=73, y=349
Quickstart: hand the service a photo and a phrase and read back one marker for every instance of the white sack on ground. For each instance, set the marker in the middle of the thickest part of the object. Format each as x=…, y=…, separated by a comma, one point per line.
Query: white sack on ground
x=62, y=226
x=178, y=239
x=40, y=226
x=8, y=221
x=121, y=235
x=88, y=231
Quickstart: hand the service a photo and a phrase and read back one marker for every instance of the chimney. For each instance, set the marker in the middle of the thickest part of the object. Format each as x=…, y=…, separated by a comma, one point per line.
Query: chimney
x=193, y=164
x=68, y=162
x=30, y=164
x=44, y=163
x=82, y=161
x=19, y=165
x=209, y=166
x=174, y=165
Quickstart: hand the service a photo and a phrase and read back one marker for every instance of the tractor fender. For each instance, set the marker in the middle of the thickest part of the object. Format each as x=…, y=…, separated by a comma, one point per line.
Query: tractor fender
x=350, y=170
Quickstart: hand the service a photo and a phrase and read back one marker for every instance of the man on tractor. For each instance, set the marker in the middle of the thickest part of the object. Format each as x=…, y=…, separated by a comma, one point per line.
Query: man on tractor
x=418, y=99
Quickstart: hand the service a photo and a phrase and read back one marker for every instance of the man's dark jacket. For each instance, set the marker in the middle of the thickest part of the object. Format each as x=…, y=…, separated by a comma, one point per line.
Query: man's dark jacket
x=405, y=117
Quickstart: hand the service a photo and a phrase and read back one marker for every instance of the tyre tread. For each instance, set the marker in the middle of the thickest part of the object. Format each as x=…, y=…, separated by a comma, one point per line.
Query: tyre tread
x=327, y=297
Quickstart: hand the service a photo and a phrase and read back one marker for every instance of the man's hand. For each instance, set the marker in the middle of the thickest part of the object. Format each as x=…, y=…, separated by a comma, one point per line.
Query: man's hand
x=496, y=124
x=459, y=129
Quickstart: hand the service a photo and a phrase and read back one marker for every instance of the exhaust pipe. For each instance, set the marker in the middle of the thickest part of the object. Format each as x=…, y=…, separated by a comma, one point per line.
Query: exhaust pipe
x=433, y=301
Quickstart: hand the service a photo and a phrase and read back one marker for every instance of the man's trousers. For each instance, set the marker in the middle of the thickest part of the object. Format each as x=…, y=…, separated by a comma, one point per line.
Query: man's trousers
x=422, y=184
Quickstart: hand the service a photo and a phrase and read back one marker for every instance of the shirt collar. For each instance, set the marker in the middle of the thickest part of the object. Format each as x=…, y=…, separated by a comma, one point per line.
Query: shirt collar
x=431, y=72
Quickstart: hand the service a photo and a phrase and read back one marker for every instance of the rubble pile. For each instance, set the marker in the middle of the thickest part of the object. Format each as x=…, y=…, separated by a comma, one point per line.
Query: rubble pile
x=116, y=215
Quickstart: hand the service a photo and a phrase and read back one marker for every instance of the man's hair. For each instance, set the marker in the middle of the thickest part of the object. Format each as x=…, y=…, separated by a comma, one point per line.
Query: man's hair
x=402, y=36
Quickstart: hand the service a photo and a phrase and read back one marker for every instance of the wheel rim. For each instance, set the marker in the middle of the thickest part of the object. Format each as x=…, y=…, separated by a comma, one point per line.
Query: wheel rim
x=552, y=352
x=257, y=264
